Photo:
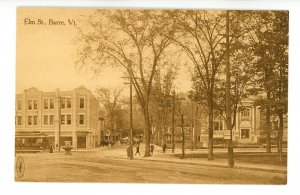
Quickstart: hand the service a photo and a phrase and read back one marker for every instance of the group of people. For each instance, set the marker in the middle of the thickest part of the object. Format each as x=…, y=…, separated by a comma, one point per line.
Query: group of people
x=137, y=147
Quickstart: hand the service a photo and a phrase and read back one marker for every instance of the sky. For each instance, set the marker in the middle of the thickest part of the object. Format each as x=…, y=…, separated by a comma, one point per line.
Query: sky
x=46, y=53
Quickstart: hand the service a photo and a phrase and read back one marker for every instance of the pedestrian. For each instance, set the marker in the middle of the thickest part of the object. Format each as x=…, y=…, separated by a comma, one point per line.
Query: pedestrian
x=128, y=150
x=152, y=149
x=164, y=147
x=137, y=149
x=51, y=148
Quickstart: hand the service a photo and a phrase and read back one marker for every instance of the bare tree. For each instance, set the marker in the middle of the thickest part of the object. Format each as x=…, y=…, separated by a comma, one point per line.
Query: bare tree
x=110, y=99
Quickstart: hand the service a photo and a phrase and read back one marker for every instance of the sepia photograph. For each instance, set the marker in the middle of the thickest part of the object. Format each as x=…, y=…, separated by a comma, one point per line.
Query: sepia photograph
x=158, y=96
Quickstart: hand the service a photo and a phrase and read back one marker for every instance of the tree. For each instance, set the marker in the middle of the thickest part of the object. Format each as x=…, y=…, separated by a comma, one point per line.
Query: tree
x=280, y=92
x=110, y=99
x=199, y=33
x=131, y=40
x=161, y=99
x=269, y=39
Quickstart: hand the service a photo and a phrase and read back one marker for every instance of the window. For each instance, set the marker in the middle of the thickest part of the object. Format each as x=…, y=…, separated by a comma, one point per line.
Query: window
x=19, y=120
x=35, y=104
x=81, y=103
x=19, y=105
x=69, y=103
x=68, y=119
x=63, y=103
x=51, y=103
x=45, y=119
x=29, y=104
x=62, y=119
x=81, y=119
x=245, y=112
x=29, y=119
x=34, y=120
x=245, y=133
x=46, y=101
x=218, y=125
x=51, y=119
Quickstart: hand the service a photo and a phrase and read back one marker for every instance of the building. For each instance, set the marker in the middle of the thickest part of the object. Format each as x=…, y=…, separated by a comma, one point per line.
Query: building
x=250, y=126
x=52, y=117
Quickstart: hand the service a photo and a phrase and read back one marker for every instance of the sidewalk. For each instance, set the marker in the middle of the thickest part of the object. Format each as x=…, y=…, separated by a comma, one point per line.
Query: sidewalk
x=119, y=152
x=217, y=162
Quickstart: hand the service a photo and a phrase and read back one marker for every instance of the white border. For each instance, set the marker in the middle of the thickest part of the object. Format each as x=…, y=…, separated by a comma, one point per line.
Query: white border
x=7, y=100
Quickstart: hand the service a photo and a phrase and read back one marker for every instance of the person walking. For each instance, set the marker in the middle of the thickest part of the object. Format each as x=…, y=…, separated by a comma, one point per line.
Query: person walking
x=152, y=149
x=164, y=147
x=137, y=149
x=128, y=150
x=51, y=148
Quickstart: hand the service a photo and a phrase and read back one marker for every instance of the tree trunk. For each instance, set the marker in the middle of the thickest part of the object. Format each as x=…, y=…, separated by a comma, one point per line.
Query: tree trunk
x=210, y=126
x=183, y=138
x=268, y=127
x=147, y=131
x=160, y=135
x=280, y=134
x=228, y=96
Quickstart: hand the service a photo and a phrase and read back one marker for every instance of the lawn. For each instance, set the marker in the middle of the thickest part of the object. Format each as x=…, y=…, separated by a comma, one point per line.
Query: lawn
x=258, y=157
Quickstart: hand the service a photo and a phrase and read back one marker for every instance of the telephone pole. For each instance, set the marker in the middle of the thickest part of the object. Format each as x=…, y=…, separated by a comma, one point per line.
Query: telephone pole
x=173, y=122
x=131, y=117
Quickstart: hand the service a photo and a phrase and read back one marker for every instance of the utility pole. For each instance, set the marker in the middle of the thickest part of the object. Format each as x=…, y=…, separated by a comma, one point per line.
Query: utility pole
x=228, y=97
x=59, y=121
x=131, y=117
x=192, y=126
x=173, y=122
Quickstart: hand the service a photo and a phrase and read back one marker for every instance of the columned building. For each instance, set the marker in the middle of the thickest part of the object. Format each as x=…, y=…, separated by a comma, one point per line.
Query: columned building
x=250, y=126
x=51, y=117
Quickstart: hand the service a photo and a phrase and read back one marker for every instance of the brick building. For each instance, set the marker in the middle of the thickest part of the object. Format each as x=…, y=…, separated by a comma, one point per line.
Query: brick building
x=47, y=117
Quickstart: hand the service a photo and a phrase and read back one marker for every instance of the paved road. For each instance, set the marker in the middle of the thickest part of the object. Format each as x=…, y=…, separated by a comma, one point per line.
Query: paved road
x=104, y=166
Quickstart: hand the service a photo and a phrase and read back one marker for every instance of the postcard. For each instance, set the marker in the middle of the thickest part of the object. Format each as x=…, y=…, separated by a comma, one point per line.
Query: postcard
x=151, y=96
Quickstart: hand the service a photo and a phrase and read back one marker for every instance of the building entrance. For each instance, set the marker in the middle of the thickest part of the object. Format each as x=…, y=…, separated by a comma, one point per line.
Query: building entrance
x=81, y=142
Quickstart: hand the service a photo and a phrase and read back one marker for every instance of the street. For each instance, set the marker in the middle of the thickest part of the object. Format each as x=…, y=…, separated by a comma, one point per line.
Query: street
x=107, y=165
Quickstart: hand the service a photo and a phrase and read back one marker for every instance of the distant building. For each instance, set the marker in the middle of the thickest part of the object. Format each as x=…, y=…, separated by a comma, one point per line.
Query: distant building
x=249, y=128
x=44, y=118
